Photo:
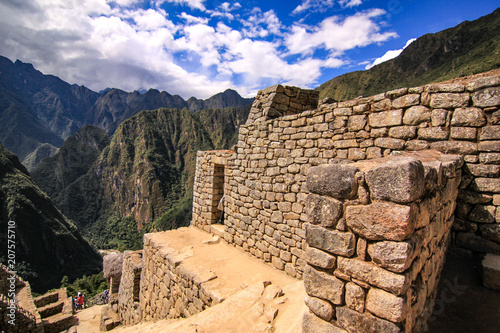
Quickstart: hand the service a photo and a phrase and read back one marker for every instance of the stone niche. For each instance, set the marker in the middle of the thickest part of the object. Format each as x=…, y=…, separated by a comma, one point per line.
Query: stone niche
x=377, y=235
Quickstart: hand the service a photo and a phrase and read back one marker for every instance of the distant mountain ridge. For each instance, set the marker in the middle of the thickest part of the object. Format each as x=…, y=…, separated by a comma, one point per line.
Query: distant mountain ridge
x=40, y=111
x=469, y=48
x=48, y=245
x=140, y=179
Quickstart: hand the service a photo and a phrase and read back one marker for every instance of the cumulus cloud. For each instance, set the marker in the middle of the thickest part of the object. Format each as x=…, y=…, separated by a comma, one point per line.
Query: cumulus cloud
x=391, y=54
x=338, y=35
x=180, y=46
x=261, y=24
x=313, y=6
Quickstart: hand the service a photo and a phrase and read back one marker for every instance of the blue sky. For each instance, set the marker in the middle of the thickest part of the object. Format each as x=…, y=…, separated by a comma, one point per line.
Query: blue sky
x=202, y=47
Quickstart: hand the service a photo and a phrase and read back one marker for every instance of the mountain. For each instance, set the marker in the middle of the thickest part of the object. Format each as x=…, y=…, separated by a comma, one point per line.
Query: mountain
x=469, y=48
x=59, y=106
x=73, y=160
x=48, y=245
x=223, y=124
x=228, y=98
x=37, y=111
x=116, y=105
x=20, y=130
x=143, y=179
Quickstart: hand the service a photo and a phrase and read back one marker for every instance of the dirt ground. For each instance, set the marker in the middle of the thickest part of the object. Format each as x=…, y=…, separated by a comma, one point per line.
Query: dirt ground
x=463, y=305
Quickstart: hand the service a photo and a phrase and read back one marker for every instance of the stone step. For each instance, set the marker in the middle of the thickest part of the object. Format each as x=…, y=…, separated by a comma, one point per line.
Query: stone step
x=51, y=309
x=43, y=300
x=59, y=322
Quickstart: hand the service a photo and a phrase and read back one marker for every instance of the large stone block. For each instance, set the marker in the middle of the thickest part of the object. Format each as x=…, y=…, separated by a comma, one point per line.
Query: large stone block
x=322, y=285
x=386, y=305
x=333, y=241
x=486, y=185
x=334, y=180
x=406, y=101
x=399, y=180
x=449, y=100
x=395, y=256
x=355, y=322
x=490, y=133
x=320, y=307
x=319, y=258
x=382, y=220
x=476, y=243
x=474, y=117
x=390, y=143
x=483, y=82
x=386, y=118
x=491, y=231
x=313, y=324
x=355, y=297
x=483, y=214
x=489, y=158
x=323, y=210
x=455, y=147
x=371, y=273
x=487, y=97
x=491, y=271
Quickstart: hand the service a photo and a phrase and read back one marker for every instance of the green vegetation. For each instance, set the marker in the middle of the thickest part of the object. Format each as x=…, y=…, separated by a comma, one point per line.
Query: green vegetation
x=469, y=48
x=115, y=232
x=90, y=285
x=49, y=245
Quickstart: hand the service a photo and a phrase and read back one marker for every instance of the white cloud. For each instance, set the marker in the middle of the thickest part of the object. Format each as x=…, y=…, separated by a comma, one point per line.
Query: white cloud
x=313, y=6
x=113, y=43
x=261, y=24
x=350, y=3
x=338, y=35
x=193, y=19
x=391, y=54
x=194, y=4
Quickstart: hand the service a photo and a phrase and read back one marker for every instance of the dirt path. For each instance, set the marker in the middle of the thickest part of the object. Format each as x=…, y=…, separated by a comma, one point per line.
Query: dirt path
x=88, y=319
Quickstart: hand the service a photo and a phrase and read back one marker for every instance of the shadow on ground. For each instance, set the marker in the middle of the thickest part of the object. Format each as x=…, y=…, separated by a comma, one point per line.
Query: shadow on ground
x=463, y=304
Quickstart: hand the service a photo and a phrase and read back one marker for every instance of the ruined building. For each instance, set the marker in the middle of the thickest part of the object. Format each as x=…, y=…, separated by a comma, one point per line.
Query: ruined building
x=359, y=199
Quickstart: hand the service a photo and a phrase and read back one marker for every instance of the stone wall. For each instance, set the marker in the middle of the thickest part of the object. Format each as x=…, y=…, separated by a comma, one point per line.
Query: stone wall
x=128, y=293
x=209, y=182
x=277, y=101
x=265, y=177
x=27, y=318
x=169, y=287
x=377, y=235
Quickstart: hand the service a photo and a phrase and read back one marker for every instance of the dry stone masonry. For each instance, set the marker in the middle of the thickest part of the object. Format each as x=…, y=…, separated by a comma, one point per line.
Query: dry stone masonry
x=277, y=101
x=359, y=198
x=265, y=176
x=377, y=235
x=128, y=293
x=169, y=287
x=27, y=318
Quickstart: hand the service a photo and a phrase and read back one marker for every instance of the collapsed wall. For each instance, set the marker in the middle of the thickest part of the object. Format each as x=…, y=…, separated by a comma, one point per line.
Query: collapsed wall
x=377, y=236
x=264, y=178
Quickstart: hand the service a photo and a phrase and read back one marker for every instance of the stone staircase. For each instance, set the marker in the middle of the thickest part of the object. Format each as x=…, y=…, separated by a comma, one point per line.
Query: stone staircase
x=56, y=311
